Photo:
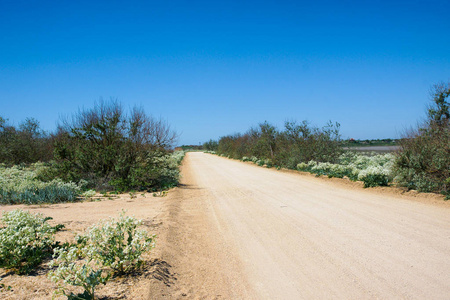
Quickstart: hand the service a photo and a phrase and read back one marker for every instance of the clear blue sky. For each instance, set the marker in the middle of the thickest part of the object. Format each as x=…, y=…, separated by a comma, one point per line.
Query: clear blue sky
x=211, y=68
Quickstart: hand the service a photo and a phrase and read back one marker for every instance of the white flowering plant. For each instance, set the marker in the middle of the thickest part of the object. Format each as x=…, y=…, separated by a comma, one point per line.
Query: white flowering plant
x=89, y=194
x=22, y=185
x=373, y=170
x=77, y=266
x=25, y=241
x=118, y=244
x=111, y=247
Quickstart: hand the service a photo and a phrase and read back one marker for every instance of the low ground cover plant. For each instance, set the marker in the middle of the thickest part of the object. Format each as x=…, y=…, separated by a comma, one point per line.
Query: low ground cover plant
x=110, y=248
x=77, y=267
x=25, y=240
x=373, y=170
x=118, y=244
x=23, y=185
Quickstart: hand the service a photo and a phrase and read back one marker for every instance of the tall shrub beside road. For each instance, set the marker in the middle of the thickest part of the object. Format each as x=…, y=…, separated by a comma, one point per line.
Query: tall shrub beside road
x=112, y=150
x=424, y=160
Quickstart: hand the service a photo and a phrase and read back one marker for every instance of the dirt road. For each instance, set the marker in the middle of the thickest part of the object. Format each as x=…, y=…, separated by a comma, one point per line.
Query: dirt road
x=238, y=231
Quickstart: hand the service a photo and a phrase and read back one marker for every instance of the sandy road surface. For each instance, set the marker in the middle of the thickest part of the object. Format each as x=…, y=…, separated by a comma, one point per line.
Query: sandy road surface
x=237, y=231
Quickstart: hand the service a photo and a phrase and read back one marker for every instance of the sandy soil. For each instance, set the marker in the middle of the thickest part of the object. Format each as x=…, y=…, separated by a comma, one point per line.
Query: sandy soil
x=233, y=230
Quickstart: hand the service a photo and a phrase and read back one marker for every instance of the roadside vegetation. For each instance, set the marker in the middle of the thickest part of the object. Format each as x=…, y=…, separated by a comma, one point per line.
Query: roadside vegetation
x=422, y=162
x=102, y=148
x=298, y=142
x=25, y=240
x=306, y=148
x=373, y=170
x=22, y=184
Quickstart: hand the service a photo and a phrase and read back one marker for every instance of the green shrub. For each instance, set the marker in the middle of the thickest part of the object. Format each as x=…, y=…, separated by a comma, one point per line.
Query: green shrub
x=113, y=150
x=157, y=172
x=20, y=185
x=112, y=247
x=268, y=162
x=423, y=163
x=372, y=180
x=26, y=143
x=89, y=194
x=118, y=244
x=25, y=241
x=76, y=266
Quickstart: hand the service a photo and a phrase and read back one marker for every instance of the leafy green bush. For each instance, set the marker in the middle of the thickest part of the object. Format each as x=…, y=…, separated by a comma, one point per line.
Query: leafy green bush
x=423, y=163
x=112, y=247
x=20, y=185
x=76, y=266
x=88, y=194
x=113, y=150
x=118, y=244
x=158, y=171
x=25, y=241
x=372, y=180
x=26, y=143
x=268, y=163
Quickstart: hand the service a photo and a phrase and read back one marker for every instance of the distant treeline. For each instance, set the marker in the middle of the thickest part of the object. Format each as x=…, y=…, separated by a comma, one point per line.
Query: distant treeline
x=373, y=142
x=297, y=142
x=190, y=147
x=103, y=145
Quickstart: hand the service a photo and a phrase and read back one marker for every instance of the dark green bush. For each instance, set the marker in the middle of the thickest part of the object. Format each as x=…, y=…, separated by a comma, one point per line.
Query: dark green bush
x=24, y=144
x=112, y=150
x=373, y=180
x=424, y=160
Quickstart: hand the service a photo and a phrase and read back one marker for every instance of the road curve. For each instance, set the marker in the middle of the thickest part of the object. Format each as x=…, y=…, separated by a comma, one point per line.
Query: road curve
x=288, y=236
